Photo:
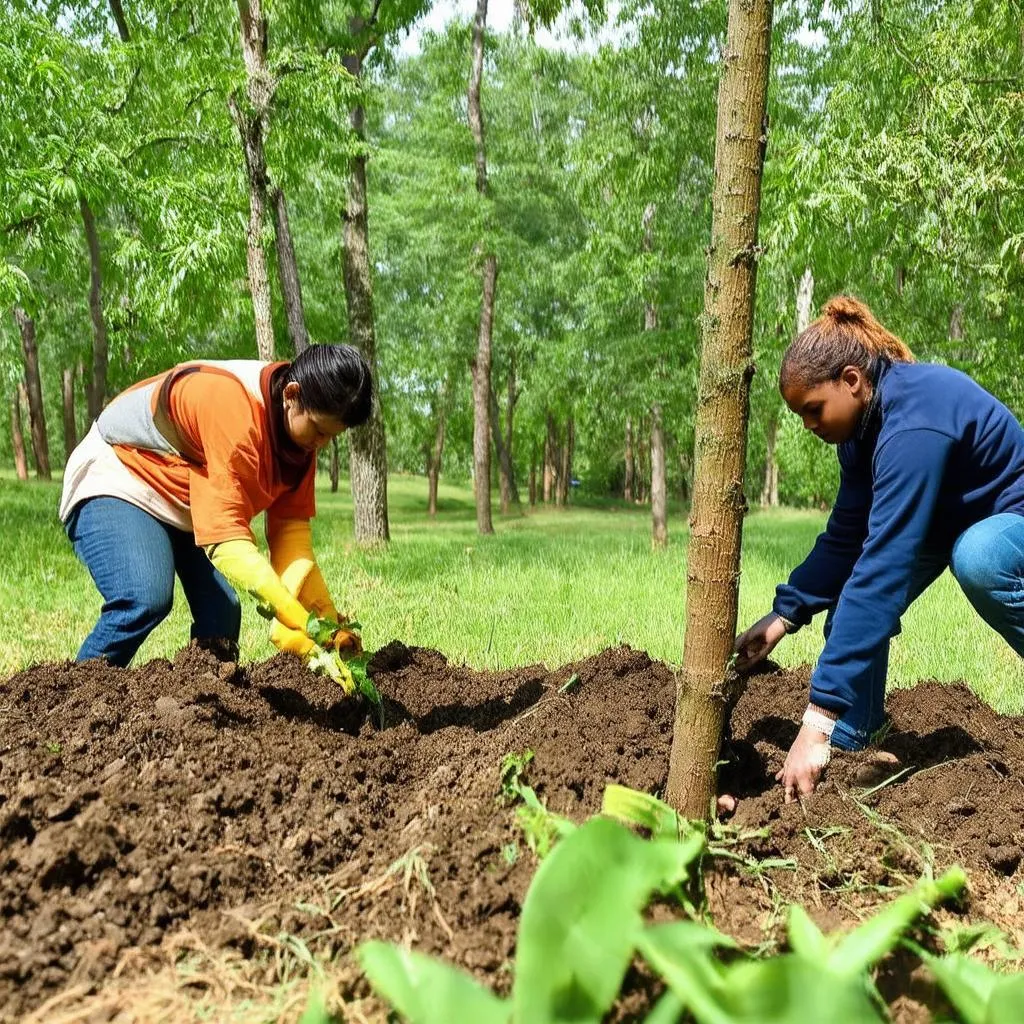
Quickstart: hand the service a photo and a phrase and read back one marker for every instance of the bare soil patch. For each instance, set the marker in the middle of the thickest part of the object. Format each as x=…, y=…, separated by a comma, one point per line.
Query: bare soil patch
x=238, y=804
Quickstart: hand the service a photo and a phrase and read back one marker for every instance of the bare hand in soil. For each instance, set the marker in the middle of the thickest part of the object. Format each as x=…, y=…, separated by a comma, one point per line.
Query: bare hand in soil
x=799, y=775
x=726, y=804
x=756, y=643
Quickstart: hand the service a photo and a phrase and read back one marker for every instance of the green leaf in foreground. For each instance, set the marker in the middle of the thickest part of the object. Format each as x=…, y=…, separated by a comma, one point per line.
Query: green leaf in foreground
x=979, y=994
x=428, y=991
x=582, y=915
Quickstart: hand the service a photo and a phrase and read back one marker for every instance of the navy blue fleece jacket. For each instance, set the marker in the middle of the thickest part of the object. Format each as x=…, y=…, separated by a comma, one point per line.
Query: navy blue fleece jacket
x=935, y=454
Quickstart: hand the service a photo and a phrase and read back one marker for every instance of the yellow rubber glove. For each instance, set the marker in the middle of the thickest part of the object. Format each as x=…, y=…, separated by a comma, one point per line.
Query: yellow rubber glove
x=290, y=641
x=246, y=569
x=291, y=554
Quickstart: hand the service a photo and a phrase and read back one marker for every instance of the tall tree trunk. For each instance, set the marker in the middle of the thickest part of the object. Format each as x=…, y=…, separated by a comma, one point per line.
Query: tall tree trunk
x=482, y=363
x=437, y=451
x=67, y=380
x=481, y=401
x=34, y=389
x=288, y=274
x=723, y=411
x=120, y=20
x=956, y=325
x=19, y=398
x=549, y=460
x=334, y=470
x=251, y=121
x=901, y=279
x=368, y=458
x=804, y=304
x=533, y=476
x=96, y=389
x=565, y=462
x=684, y=476
x=627, y=491
x=659, y=486
x=509, y=492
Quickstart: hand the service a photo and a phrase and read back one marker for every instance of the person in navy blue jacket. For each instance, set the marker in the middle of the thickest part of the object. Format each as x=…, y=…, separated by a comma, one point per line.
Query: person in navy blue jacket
x=932, y=476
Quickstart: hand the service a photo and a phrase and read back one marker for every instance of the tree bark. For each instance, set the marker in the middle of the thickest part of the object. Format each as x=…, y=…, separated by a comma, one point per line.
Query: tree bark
x=804, y=304
x=436, y=451
x=368, y=459
x=34, y=391
x=627, y=491
x=120, y=20
x=67, y=381
x=956, y=326
x=19, y=397
x=548, y=484
x=288, y=274
x=684, y=476
x=335, y=468
x=509, y=492
x=723, y=411
x=659, y=487
x=96, y=389
x=533, y=476
x=482, y=362
x=251, y=123
x=565, y=462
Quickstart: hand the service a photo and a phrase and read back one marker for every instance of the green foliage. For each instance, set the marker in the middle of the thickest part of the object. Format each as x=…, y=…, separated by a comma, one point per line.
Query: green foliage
x=979, y=994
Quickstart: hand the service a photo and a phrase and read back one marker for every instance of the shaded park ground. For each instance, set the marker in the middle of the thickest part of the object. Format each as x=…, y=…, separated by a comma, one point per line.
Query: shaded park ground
x=215, y=816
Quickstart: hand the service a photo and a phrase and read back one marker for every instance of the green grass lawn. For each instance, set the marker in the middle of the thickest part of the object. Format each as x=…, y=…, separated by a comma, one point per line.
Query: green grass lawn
x=551, y=586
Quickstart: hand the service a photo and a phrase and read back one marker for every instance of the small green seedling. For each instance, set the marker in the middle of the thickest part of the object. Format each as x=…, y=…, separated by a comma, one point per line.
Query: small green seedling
x=349, y=673
x=569, y=683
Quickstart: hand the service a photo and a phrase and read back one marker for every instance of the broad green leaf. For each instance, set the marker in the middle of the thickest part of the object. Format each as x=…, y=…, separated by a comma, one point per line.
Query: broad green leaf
x=428, y=991
x=633, y=807
x=581, y=917
x=683, y=953
x=667, y=1010
x=805, y=936
x=1007, y=1003
x=316, y=1009
x=967, y=983
x=868, y=943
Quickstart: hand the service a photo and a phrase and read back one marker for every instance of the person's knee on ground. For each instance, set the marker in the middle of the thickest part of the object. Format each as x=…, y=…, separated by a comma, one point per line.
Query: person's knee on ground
x=127, y=620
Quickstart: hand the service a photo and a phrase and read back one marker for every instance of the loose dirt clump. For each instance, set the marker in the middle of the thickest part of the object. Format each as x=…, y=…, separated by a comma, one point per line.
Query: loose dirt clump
x=238, y=804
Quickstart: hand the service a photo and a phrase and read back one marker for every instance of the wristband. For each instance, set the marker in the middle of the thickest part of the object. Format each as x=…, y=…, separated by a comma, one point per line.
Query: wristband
x=816, y=720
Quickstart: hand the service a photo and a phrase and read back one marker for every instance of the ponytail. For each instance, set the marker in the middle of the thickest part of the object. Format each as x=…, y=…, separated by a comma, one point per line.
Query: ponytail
x=846, y=334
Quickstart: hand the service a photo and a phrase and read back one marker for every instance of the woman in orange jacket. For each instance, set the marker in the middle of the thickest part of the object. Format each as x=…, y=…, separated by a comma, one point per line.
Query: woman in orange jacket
x=173, y=471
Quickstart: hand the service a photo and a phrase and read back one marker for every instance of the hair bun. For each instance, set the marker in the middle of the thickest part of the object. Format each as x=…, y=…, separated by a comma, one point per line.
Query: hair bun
x=845, y=309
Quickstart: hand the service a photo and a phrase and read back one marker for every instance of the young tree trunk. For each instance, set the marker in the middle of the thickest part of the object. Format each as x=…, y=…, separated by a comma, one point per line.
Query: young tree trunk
x=96, y=388
x=482, y=363
x=67, y=380
x=19, y=398
x=533, y=476
x=368, y=462
x=251, y=123
x=34, y=390
x=627, y=491
x=335, y=467
x=723, y=410
x=436, y=452
x=659, y=487
x=288, y=274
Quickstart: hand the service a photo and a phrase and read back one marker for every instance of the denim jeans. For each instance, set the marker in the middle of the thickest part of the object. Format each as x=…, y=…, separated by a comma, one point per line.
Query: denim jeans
x=132, y=557
x=987, y=561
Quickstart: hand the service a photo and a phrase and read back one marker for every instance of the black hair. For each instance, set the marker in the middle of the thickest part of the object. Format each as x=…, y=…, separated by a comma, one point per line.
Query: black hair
x=333, y=380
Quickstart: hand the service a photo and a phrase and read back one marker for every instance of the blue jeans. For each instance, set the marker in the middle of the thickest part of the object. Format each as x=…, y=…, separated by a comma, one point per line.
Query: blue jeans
x=132, y=557
x=987, y=561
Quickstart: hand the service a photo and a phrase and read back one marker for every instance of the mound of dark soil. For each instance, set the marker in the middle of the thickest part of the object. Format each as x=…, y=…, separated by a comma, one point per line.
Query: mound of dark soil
x=238, y=802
